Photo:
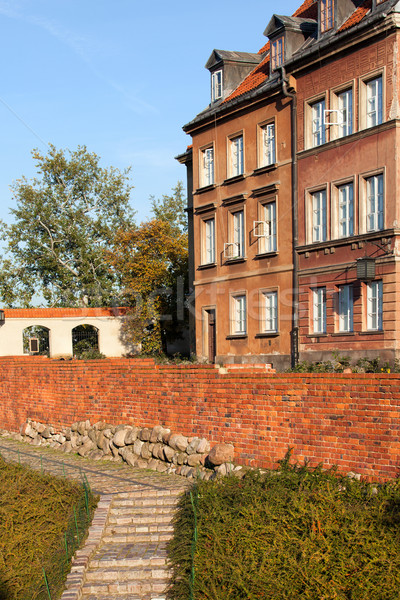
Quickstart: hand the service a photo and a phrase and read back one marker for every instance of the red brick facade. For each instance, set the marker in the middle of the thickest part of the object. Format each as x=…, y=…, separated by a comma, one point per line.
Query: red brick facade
x=349, y=420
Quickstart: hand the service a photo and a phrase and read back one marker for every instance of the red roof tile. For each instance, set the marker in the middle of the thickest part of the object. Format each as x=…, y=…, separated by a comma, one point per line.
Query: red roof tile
x=308, y=10
x=253, y=80
x=357, y=15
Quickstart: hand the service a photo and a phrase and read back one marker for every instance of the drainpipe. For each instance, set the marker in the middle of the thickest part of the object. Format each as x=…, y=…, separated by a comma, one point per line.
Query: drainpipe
x=289, y=92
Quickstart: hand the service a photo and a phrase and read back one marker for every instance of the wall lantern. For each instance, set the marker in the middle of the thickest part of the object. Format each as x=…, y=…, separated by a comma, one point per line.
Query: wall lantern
x=2, y=317
x=366, y=268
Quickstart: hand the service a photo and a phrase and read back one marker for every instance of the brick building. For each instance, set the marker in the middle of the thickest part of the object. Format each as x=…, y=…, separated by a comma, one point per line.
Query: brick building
x=293, y=183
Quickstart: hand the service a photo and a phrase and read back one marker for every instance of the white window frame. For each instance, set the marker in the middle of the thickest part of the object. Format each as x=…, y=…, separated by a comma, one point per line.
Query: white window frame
x=267, y=145
x=327, y=15
x=319, y=310
x=374, y=101
x=238, y=237
x=238, y=314
x=277, y=52
x=208, y=243
x=207, y=166
x=318, y=129
x=268, y=241
x=216, y=85
x=236, y=156
x=345, y=308
x=269, y=311
x=374, y=203
x=345, y=112
x=345, y=210
x=375, y=305
x=318, y=216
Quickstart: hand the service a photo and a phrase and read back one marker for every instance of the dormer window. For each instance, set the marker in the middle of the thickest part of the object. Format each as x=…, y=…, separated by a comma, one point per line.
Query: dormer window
x=216, y=85
x=277, y=52
x=326, y=15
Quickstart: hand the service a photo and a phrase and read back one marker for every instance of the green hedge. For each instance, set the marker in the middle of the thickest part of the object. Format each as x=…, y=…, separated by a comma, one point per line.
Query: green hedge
x=297, y=533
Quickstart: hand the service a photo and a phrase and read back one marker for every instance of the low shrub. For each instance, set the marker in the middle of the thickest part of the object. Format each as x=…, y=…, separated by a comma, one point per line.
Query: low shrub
x=42, y=520
x=297, y=533
x=339, y=363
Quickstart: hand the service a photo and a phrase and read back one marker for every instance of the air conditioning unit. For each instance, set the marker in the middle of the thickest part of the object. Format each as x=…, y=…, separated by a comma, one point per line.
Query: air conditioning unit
x=34, y=345
x=231, y=250
x=328, y=119
x=261, y=228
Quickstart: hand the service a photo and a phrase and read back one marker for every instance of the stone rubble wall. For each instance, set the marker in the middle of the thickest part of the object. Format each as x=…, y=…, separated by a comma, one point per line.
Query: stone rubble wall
x=154, y=448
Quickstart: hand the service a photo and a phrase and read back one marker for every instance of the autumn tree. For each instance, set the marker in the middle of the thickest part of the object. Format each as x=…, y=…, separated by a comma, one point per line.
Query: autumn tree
x=64, y=221
x=152, y=261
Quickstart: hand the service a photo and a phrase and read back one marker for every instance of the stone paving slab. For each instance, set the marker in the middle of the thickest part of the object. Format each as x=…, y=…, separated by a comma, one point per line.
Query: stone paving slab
x=139, y=494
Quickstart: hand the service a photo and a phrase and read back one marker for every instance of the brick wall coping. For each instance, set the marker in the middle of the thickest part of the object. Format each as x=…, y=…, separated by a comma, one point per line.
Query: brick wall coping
x=59, y=313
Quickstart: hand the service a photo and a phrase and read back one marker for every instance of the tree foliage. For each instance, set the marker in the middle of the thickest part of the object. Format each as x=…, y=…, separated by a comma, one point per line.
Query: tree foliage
x=64, y=221
x=152, y=261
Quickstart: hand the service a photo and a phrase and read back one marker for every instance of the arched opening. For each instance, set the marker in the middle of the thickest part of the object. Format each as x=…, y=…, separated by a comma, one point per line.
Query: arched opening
x=85, y=339
x=36, y=340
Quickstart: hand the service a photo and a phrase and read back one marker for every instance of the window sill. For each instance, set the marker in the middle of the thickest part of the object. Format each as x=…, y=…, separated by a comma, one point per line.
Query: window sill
x=266, y=254
x=206, y=266
x=372, y=332
x=265, y=169
x=238, y=259
x=267, y=334
x=206, y=188
x=341, y=333
x=237, y=336
x=233, y=179
x=316, y=335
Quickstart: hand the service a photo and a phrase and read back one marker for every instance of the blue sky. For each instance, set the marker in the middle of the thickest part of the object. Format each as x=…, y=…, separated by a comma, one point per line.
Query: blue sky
x=120, y=77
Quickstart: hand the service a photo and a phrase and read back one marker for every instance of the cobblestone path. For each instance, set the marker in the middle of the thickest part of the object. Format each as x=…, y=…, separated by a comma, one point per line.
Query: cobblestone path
x=129, y=559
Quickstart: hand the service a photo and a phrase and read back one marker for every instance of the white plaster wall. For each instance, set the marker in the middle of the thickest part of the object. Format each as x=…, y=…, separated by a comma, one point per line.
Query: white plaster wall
x=60, y=335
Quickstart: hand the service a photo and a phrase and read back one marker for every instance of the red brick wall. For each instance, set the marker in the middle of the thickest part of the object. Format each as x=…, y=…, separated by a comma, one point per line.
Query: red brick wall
x=349, y=420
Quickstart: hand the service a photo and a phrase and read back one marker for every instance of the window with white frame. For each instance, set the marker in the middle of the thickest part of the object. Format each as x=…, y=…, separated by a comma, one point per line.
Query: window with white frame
x=208, y=245
x=374, y=102
x=238, y=232
x=318, y=133
x=345, y=307
x=345, y=210
x=238, y=315
x=345, y=113
x=269, y=312
x=207, y=167
x=268, y=147
x=236, y=156
x=374, y=305
x=277, y=53
x=327, y=15
x=374, y=203
x=318, y=216
x=216, y=85
x=267, y=228
x=319, y=310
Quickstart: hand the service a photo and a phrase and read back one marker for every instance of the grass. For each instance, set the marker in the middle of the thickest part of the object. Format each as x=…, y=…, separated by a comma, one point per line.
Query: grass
x=36, y=511
x=300, y=533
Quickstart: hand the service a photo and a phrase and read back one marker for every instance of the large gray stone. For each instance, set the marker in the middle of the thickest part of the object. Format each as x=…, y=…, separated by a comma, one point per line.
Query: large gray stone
x=194, y=459
x=86, y=448
x=137, y=447
x=131, y=436
x=169, y=453
x=146, y=452
x=120, y=435
x=178, y=442
x=221, y=453
x=145, y=434
x=193, y=445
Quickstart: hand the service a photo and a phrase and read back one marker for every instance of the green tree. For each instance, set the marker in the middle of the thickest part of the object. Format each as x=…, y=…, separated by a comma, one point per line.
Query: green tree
x=64, y=221
x=171, y=208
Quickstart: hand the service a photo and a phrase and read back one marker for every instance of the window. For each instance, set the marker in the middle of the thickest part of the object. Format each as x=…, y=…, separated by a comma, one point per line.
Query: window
x=327, y=19
x=208, y=246
x=317, y=122
x=268, y=153
x=277, y=53
x=270, y=312
x=207, y=167
x=346, y=308
x=216, y=85
x=374, y=204
x=345, y=113
x=236, y=156
x=319, y=310
x=318, y=209
x=374, y=103
x=374, y=305
x=345, y=210
x=238, y=315
x=267, y=236
x=238, y=232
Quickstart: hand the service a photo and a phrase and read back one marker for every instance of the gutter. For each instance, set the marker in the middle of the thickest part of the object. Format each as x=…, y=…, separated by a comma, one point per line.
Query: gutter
x=290, y=92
